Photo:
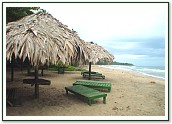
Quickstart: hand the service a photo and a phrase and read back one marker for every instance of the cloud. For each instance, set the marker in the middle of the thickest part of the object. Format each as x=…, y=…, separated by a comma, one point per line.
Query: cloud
x=153, y=47
x=101, y=21
x=130, y=56
x=133, y=32
x=140, y=60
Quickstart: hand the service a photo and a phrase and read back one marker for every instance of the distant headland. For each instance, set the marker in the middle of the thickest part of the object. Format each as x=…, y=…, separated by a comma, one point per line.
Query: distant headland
x=114, y=63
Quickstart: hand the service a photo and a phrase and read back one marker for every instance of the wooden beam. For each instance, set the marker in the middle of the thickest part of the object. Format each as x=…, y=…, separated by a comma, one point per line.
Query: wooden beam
x=89, y=71
x=12, y=67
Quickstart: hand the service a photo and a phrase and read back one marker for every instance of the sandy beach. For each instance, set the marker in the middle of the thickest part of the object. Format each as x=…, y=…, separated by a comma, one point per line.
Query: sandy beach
x=132, y=94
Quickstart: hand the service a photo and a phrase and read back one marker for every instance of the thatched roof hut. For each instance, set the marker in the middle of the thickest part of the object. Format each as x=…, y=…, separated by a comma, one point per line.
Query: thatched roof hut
x=98, y=54
x=43, y=39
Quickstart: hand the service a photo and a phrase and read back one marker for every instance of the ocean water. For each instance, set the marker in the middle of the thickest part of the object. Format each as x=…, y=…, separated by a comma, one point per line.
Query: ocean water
x=154, y=71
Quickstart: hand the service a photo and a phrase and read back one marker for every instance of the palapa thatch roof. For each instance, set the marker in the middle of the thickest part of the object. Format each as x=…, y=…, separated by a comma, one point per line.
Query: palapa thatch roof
x=98, y=53
x=43, y=39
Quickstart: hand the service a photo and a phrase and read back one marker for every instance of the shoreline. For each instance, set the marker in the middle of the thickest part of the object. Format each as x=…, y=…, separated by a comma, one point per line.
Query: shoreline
x=134, y=71
x=132, y=94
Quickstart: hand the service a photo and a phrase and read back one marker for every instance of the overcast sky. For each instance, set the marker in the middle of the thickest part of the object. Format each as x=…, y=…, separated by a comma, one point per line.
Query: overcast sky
x=132, y=32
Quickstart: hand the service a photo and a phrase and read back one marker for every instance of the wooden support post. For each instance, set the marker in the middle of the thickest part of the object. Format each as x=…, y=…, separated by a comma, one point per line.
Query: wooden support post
x=89, y=102
x=104, y=99
x=66, y=91
x=28, y=69
x=12, y=68
x=42, y=72
x=36, y=83
x=89, y=71
x=21, y=66
x=28, y=66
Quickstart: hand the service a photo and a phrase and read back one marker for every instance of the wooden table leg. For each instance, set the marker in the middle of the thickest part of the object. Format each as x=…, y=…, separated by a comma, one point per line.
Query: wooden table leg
x=66, y=91
x=89, y=102
x=104, y=99
x=36, y=90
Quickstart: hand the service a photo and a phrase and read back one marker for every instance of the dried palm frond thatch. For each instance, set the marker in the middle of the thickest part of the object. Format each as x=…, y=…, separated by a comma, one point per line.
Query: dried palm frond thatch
x=43, y=39
x=98, y=53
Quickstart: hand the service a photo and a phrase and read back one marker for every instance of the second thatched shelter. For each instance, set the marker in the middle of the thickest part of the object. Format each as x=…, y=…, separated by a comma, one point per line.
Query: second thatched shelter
x=98, y=54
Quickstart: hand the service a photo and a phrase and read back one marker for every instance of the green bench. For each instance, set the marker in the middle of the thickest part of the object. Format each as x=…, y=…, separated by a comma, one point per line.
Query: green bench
x=96, y=74
x=86, y=92
x=94, y=84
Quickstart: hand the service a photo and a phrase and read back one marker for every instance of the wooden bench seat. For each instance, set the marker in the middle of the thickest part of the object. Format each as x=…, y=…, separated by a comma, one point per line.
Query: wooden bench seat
x=94, y=84
x=88, y=93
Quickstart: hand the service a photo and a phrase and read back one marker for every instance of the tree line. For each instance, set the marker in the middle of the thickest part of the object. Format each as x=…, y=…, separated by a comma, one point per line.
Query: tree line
x=113, y=63
x=16, y=13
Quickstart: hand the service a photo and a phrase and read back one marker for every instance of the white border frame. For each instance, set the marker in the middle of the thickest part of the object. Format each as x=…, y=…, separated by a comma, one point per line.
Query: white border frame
x=112, y=118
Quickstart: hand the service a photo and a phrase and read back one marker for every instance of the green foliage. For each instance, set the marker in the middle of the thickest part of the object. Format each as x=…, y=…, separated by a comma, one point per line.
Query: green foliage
x=102, y=63
x=68, y=68
x=113, y=63
x=73, y=68
x=54, y=67
x=119, y=63
x=60, y=64
x=16, y=13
